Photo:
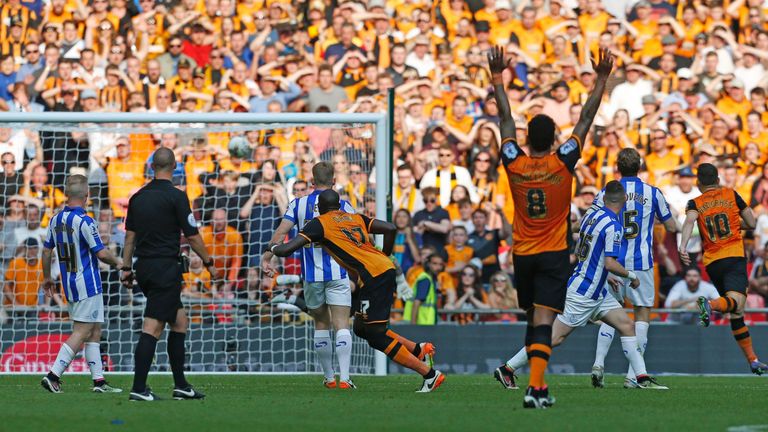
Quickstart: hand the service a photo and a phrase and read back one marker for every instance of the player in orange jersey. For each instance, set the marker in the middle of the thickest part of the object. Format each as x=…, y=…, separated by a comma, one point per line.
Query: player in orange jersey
x=719, y=211
x=346, y=238
x=541, y=184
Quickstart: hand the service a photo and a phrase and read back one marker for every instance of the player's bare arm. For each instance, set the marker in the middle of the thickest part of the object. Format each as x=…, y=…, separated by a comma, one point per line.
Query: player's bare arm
x=48, y=284
x=497, y=64
x=266, y=259
x=286, y=249
x=603, y=68
x=388, y=230
x=749, y=221
x=126, y=275
x=106, y=256
x=690, y=219
x=671, y=225
x=197, y=245
x=613, y=266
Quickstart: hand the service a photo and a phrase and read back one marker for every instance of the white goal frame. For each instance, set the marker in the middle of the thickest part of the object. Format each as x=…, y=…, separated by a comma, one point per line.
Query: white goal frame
x=379, y=120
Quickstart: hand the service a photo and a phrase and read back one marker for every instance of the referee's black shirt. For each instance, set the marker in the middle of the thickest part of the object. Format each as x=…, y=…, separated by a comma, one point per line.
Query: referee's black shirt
x=157, y=213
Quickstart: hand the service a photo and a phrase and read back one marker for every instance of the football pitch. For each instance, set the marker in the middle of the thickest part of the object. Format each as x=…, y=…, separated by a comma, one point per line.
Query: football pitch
x=463, y=403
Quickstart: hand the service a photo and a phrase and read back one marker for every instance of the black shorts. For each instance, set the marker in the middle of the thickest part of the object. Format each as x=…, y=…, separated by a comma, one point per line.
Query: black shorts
x=542, y=279
x=160, y=279
x=729, y=274
x=376, y=298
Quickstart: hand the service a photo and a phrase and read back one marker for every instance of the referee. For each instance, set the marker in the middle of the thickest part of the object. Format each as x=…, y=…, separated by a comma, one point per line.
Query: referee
x=156, y=215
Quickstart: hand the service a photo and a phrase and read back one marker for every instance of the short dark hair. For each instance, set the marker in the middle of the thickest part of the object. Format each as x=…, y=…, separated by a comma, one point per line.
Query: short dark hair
x=164, y=160
x=541, y=133
x=328, y=200
x=322, y=173
x=629, y=162
x=614, y=192
x=707, y=175
x=404, y=167
x=480, y=211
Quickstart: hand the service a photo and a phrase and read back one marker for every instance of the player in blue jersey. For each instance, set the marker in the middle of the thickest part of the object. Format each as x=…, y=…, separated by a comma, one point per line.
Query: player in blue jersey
x=75, y=236
x=326, y=286
x=645, y=205
x=587, y=298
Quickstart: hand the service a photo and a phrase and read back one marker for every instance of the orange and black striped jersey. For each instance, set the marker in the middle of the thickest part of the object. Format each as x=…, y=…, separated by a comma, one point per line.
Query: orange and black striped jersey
x=541, y=190
x=719, y=223
x=345, y=237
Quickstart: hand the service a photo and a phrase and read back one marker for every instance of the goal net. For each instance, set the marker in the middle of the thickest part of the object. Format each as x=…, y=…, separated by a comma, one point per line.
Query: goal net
x=239, y=171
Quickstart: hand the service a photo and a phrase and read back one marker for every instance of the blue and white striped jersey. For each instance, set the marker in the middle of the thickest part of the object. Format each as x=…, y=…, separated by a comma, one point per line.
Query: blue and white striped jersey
x=316, y=264
x=75, y=236
x=599, y=237
x=645, y=204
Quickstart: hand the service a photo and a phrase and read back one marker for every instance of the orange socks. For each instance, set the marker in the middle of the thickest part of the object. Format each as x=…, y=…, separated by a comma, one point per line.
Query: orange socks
x=741, y=334
x=723, y=304
x=408, y=344
x=402, y=356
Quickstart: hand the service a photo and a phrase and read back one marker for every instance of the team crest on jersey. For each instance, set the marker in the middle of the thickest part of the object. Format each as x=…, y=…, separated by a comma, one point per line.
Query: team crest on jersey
x=568, y=147
x=510, y=150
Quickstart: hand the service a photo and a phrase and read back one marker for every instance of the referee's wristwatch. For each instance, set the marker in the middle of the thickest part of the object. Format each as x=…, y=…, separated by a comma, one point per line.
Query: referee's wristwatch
x=126, y=268
x=209, y=263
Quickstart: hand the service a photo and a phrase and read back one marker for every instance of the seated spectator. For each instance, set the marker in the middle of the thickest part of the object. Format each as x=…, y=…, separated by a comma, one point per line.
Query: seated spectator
x=406, y=195
x=502, y=295
x=469, y=294
x=10, y=180
x=125, y=173
x=486, y=242
x=225, y=245
x=406, y=249
x=447, y=175
x=458, y=253
x=433, y=223
x=458, y=194
x=24, y=277
x=31, y=227
x=685, y=293
x=36, y=186
x=263, y=212
x=465, y=215
x=326, y=93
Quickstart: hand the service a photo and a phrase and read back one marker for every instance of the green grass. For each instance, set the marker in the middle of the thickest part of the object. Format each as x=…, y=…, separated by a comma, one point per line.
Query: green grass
x=463, y=403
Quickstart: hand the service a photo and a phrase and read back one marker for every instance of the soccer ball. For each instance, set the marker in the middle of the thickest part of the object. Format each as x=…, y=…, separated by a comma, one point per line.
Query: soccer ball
x=239, y=148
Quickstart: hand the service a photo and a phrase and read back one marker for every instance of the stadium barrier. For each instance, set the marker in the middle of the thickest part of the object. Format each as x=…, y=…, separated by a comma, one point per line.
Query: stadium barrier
x=465, y=349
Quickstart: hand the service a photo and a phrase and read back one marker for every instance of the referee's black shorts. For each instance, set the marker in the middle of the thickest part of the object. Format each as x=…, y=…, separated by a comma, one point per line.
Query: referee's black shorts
x=729, y=274
x=160, y=279
x=542, y=279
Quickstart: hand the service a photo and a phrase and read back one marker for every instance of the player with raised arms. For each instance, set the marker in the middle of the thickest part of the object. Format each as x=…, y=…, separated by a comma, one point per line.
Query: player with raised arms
x=541, y=183
x=645, y=205
x=598, y=253
x=719, y=212
x=346, y=238
x=75, y=236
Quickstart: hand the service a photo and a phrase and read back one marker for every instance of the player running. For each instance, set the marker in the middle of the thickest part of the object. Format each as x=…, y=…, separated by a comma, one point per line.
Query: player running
x=75, y=236
x=541, y=186
x=326, y=286
x=598, y=253
x=718, y=212
x=645, y=204
x=345, y=237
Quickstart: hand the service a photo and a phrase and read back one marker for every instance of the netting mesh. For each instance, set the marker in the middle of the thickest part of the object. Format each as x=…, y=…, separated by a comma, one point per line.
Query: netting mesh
x=239, y=179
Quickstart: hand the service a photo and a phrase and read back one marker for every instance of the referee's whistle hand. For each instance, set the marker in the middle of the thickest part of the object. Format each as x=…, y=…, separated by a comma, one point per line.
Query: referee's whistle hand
x=126, y=278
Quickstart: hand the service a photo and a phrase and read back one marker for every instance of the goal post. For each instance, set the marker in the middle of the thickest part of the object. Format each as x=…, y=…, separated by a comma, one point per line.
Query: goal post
x=282, y=337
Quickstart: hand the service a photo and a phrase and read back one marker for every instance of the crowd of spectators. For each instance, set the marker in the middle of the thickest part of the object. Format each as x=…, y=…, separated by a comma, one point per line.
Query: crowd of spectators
x=689, y=87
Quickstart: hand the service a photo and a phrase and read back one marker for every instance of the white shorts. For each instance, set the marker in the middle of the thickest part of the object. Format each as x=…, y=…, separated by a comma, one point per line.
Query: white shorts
x=643, y=295
x=335, y=292
x=579, y=310
x=90, y=310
